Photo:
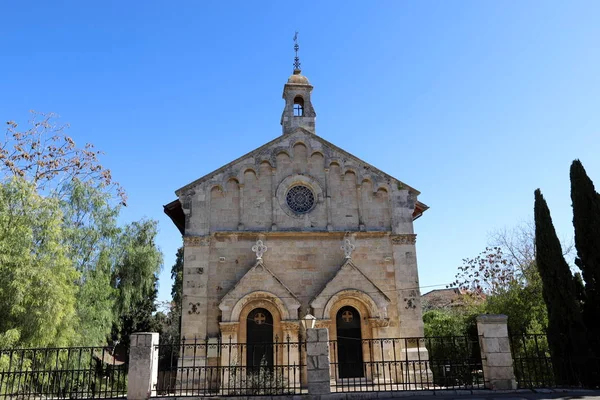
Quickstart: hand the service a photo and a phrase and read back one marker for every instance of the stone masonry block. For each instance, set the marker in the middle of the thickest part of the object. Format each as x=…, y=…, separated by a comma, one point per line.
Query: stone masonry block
x=504, y=345
x=318, y=375
x=317, y=388
x=317, y=348
x=490, y=345
x=499, y=360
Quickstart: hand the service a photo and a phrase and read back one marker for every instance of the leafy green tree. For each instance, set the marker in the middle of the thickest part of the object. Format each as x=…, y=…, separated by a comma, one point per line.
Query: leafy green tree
x=135, y=278
x=113, y=269
x=566, y=332
x=37, y=295
x=586, y=220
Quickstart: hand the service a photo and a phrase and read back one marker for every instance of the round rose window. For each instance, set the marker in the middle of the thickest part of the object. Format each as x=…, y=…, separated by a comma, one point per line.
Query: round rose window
x=300, y=199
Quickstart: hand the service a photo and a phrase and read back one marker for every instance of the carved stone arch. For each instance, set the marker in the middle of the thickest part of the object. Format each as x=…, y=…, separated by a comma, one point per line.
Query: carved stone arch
x=230, y=178
x=313, y=152
x=217, y=186
x=348, y=171
x=351, y=297
x=265, y=161
x=382, y=186
x=242, y=171
x=297, y=144
x=334, y=162
x=260, y=299
x=278, y=152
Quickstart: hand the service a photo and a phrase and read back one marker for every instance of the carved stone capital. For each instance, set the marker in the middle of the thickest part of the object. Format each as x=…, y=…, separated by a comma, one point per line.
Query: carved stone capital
x=379, y=322
x=196, y=241
x=407, y=238
x=227, y=328
x=323, y=323
x=292, y=327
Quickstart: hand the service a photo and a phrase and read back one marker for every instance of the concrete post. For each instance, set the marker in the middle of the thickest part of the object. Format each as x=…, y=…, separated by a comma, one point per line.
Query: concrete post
x=496, y=356
x=143, y=366
x=317, y=361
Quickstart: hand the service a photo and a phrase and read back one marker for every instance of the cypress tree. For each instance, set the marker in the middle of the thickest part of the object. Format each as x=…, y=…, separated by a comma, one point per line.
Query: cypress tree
x=566, y=332
x=586, y=221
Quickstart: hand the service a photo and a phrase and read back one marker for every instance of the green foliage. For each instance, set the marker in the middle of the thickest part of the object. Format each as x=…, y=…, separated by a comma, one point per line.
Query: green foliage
x=457, y=322
x=524, y=306
x=138, y=262
x=566, y=332
x=586, y=220
x=37, y=294
x=71, y=274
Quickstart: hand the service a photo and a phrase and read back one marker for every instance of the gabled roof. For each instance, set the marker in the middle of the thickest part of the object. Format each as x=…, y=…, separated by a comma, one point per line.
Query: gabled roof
x=174, y=211
x=255, y=280
x=349, y=277
x=285, y=137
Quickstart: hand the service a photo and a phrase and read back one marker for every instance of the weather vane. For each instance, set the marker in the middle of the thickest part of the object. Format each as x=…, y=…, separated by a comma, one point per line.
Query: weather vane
x=296, y=59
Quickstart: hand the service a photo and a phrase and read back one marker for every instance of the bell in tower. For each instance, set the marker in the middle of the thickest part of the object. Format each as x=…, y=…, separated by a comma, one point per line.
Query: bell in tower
x=298, y=111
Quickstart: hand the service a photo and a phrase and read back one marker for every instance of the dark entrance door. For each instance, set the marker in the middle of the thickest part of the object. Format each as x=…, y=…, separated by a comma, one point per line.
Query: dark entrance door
x=259, y=347
x=349, y=339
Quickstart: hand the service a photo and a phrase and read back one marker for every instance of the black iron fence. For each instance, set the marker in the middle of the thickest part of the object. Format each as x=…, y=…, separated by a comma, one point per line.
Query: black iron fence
x=532, y=361
x=215, y=368
x=62, y=373
x=535, y=368
x=422, y=363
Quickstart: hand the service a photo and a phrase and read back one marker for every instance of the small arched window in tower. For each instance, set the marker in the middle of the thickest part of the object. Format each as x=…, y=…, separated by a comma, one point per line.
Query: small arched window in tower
x=298, y=107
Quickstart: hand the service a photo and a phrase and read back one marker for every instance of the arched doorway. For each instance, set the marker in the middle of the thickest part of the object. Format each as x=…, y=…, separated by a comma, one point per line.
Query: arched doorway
x=259, y=338
x=349, y=339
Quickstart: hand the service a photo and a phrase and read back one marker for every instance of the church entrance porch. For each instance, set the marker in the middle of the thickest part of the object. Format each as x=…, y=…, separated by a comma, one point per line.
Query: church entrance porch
x=349, y=343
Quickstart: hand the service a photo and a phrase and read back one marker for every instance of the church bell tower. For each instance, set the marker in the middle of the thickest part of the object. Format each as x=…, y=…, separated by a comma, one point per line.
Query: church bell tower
x=298, y=111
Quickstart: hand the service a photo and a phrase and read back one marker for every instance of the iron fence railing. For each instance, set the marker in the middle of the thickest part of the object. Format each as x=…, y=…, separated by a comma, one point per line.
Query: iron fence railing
x=62, y=373
x=215, y=368
x=532, y=361
x=535, y=367
x=420, y=363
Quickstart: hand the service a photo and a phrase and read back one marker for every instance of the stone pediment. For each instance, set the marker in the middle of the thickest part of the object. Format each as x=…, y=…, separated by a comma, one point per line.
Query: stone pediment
x=285, y=144
x=350, y=281
x=259, y=283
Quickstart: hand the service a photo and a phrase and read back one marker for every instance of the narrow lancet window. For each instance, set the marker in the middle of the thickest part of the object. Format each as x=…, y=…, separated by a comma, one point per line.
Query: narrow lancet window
x=298, y=107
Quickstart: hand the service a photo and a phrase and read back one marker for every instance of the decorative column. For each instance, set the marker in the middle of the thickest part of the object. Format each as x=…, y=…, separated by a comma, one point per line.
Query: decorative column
x=143, y=366
x=328, y=201
x=361, y=224
x=291, y=348
x=230, y=356
x=241, y=202
x=317, y=361
x=496, y=357
x=273, y=199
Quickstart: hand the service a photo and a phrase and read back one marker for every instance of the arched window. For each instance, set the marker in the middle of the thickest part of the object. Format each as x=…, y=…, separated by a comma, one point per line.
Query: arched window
x=298, y=106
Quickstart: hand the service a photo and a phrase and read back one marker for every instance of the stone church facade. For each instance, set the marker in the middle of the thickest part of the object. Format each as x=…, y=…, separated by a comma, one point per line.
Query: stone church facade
x=297, y=226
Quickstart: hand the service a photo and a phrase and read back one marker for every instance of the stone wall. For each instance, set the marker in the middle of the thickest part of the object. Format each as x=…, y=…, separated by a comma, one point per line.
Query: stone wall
x=304, y=262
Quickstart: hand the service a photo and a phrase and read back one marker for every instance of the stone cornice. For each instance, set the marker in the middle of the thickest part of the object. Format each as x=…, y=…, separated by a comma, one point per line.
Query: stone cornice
x=379, y=322
x=290, y=326
x=196, y=241
x=406, y=238
x=229, y=327
x=323, y=323
x=337, y=235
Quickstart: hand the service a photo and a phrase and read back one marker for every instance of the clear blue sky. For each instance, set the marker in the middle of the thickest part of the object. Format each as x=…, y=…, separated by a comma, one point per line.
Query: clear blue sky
x=474, y=103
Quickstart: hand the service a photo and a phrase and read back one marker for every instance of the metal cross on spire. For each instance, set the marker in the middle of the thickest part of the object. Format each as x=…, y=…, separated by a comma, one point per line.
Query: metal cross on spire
x=296, y=59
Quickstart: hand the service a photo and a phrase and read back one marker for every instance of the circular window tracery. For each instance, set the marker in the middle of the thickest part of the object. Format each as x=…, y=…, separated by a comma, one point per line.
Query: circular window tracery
x=300, y=199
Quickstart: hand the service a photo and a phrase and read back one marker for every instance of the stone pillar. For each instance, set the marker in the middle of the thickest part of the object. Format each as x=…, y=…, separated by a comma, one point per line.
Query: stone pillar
x=230, y=355
x=496, y=356
x=143, y=366
x=317, y=361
